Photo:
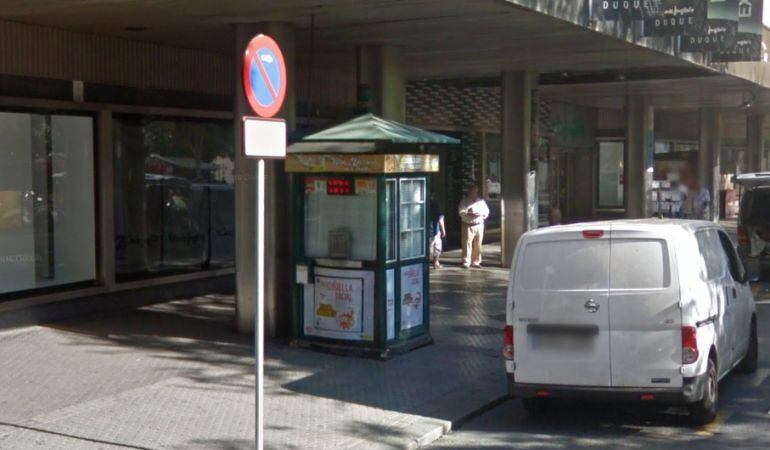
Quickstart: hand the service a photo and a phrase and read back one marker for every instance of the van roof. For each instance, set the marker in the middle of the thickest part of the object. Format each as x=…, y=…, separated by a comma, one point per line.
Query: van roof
x=690, y=226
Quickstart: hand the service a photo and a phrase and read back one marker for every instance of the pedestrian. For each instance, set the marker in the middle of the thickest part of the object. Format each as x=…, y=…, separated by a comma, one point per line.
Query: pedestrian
x=697, y=202
x=473, y=212
x=702, y=204
x=439, y=232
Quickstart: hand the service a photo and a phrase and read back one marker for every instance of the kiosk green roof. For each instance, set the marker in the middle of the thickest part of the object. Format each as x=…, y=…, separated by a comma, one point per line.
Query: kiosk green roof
x=364, y=133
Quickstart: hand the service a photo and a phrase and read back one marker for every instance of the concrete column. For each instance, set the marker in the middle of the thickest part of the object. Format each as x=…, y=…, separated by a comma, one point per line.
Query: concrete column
x=516, y=129
x=277, y=198
x=380, y=69
x=709, y=155
x=755, y=143
x=640, y=139
x=106, y=197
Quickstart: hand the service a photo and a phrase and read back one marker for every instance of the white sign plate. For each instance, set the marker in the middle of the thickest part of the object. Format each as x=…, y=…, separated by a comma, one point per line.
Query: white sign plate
x=264, y=138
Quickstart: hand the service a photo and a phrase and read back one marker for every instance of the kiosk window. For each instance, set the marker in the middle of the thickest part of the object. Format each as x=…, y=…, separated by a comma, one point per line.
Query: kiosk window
x=412, y=218
x=391, y=209
x=343, y=223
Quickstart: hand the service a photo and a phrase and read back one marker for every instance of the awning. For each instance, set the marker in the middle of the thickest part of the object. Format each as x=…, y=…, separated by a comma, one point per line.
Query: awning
x=364, y=133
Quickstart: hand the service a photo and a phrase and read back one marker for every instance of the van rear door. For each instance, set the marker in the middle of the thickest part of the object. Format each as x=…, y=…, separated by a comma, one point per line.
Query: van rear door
x=560, y=312
x=645, y=316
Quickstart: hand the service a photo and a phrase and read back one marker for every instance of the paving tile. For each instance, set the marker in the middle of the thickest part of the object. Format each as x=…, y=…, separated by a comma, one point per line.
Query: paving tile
x=177, y=376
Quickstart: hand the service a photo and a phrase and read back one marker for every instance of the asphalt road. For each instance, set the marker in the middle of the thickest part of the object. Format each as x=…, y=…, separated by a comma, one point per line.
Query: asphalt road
x=743, y=421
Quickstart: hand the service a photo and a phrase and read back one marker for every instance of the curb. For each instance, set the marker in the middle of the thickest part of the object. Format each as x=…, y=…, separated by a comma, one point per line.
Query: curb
x=444, y=427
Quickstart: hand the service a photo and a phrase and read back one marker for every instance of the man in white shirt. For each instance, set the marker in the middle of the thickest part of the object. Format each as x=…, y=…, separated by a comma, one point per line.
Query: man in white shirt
x=473, y=212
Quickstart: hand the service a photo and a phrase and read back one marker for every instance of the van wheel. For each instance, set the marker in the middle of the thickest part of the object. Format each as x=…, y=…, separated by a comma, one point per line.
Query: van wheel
x=705, y=410
x=751, y=360
x=535, y=406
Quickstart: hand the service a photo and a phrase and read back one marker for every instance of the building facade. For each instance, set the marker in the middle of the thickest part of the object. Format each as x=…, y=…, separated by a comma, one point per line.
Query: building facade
x=121, y=175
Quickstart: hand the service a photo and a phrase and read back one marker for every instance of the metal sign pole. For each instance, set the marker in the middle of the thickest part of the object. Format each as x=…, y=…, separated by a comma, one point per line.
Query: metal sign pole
x=259, y=326
x=264, y=86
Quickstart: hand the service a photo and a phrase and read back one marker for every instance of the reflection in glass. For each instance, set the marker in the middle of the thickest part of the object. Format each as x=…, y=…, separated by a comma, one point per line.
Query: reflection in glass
x=174, y=195
x=47, y=223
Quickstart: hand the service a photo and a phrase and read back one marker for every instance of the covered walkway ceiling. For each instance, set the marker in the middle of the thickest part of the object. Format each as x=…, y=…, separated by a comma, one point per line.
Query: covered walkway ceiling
x=440, y=39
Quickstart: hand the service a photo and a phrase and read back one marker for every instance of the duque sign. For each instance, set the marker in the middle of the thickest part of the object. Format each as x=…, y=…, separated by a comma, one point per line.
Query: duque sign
x=675, y=18
x=748, y=39
x=730, y=30
x=719, y=30
x=618, y=9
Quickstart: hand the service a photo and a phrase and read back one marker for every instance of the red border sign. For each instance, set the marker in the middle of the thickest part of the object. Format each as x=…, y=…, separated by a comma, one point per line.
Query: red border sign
x=265, y=89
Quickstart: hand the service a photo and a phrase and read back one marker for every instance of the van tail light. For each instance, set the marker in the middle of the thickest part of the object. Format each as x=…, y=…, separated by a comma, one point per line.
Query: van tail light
x=743, y=237
x=689, y=345
x=593, y=234
x=508, y=342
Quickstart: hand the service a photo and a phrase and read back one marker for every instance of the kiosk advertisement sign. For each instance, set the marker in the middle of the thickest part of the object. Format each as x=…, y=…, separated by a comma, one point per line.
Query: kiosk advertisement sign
x=338, y=304
x=412, y=302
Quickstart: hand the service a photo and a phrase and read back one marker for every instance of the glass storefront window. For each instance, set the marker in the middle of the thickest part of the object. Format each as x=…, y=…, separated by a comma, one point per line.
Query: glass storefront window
x=610, y=182
x=174, y=195
x=412, y=220
x=341, y=224
x=47, y=210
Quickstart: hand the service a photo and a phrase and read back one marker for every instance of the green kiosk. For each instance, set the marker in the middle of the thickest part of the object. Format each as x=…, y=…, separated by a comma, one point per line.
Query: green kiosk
x=361, y=227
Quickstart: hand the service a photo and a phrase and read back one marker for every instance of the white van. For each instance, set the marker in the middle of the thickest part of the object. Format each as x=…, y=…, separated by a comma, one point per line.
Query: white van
x=649, y=310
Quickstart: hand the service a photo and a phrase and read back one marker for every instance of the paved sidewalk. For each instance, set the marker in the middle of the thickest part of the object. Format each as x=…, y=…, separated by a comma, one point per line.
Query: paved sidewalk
x=175, y=376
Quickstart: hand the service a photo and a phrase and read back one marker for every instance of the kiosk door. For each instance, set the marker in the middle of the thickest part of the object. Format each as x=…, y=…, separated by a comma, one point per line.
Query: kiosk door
x=406, y=231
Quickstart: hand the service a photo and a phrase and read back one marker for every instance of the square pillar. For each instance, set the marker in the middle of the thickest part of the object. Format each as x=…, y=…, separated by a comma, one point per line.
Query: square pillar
x=277, y=198
x=640, y=142
x=381, y=70
x=516, y=126
x=755, y=143
x=710, y=148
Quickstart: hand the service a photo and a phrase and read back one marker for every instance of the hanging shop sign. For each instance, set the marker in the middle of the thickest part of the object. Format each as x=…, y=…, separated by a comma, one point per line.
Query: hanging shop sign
x=720, y=29
x=619, y=9
x=748, y=39
x=676, y=18
x=717, y=35
x=747, y=47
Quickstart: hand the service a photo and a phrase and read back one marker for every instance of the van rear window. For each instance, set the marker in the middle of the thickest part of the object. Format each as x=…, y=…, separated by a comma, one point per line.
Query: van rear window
x=639, y=264
x=565, y=265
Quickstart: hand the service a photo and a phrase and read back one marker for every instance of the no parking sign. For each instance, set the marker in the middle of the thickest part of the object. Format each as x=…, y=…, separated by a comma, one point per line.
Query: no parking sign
x=264, y=85
x=264, y=76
